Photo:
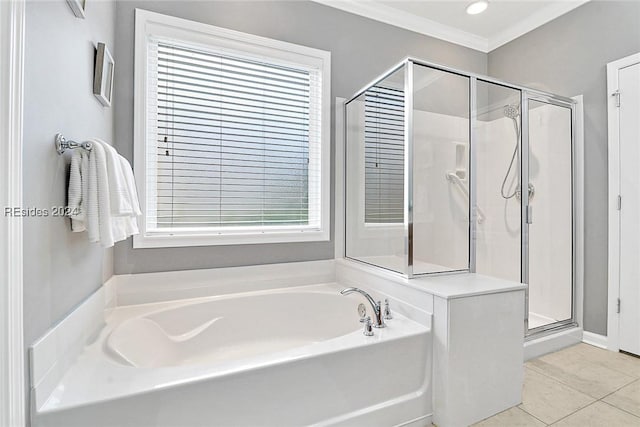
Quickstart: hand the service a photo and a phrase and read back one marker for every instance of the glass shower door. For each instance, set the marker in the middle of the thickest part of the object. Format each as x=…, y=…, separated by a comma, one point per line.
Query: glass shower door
x=549, y=219
x=524, y=199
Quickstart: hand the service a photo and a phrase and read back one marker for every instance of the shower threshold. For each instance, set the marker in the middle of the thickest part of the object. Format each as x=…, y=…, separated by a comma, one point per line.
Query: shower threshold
x=536, y=320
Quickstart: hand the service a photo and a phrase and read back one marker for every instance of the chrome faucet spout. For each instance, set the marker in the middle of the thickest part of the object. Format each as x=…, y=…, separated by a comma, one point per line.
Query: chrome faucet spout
x=378, y=321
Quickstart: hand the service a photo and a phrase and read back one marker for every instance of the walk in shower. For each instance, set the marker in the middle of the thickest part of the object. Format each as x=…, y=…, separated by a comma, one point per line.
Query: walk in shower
x=448, y=171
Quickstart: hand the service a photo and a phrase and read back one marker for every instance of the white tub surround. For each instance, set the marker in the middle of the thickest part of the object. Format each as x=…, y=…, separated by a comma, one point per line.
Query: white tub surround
x=478, y=337
x=238, y=359
x=173, y=285
x=53, y=354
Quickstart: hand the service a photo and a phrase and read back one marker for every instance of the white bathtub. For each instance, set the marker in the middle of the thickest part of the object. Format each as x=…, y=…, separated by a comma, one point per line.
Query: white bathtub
x=227, y=330
x=286, y=357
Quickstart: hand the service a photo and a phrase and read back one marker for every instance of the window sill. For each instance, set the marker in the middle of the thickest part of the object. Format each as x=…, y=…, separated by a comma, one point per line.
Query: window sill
x=168, y=240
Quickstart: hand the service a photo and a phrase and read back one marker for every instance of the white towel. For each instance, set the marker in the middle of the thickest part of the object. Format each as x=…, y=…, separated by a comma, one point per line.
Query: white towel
x=115, y=187
x=102, y=195
x=84, y=173
x=92, y=212
x=131, y=186
x=119, y=195
x=105, y=224
x=75, y=202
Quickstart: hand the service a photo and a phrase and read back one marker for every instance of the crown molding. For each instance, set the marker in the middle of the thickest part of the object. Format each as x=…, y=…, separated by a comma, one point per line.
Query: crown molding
x=409, y=21
x=533, y=21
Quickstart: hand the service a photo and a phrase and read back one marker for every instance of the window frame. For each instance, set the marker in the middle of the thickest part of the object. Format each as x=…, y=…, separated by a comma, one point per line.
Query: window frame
x=150, y=24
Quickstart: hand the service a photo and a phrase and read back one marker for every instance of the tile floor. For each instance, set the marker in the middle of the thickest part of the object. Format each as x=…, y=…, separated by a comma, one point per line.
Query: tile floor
x=580, y=386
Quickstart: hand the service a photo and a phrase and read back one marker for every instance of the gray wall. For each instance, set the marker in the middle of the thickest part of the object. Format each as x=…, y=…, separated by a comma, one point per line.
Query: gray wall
x=360, y=50
x=61, y=268
x=568, y=56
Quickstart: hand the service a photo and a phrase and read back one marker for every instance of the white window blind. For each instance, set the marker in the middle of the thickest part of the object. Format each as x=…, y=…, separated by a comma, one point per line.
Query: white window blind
x=384, y=155
x=233, y=141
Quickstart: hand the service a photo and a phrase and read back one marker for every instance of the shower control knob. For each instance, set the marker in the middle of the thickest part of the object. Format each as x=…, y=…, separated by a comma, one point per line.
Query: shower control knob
x=362, y=311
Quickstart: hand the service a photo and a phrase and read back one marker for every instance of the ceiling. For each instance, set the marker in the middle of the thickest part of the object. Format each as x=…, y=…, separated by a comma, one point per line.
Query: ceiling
x=503, y=21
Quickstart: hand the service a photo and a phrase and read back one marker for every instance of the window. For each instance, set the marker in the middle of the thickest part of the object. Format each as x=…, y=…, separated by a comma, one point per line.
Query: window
x=384, y=155
x=232, y=136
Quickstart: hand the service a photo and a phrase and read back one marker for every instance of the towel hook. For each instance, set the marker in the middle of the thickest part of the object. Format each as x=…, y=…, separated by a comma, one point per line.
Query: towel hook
x=63, y=144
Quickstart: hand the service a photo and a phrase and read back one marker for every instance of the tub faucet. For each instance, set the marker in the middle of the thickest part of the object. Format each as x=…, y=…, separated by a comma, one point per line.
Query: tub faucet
x=378, y=319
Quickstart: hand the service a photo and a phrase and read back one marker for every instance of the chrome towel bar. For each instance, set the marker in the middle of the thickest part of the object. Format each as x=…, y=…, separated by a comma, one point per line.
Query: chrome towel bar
x=63, y=144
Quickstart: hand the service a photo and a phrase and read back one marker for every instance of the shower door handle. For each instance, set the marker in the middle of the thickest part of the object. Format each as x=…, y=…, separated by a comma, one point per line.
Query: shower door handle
x=529, y=217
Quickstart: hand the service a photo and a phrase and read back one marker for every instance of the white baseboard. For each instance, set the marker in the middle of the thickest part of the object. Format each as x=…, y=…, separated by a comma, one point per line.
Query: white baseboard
x=595, y=339
x=422, y=421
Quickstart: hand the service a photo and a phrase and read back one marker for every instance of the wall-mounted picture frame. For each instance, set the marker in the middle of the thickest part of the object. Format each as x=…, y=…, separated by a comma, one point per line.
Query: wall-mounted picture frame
x=103, y=75
x=78, y=7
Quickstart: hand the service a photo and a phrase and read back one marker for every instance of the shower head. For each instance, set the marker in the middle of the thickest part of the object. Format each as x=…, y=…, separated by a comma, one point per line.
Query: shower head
x=511, y=111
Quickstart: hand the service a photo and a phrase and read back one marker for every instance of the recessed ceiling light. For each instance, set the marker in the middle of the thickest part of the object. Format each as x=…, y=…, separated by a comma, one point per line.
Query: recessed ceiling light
x=477, y=7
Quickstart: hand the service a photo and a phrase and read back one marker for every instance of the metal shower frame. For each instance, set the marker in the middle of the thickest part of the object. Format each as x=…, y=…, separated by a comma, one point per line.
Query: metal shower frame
x=526, y=95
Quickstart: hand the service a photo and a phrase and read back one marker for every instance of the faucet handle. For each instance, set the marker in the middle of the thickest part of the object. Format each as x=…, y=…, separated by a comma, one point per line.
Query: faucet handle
x=362, y=311
x=368, y=327
x=387, y=310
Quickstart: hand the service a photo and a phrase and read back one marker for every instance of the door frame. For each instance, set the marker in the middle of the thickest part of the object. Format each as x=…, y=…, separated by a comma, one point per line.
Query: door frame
x=577, y=206
x=12, y=370
x=12, y=359
x=613, y=123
